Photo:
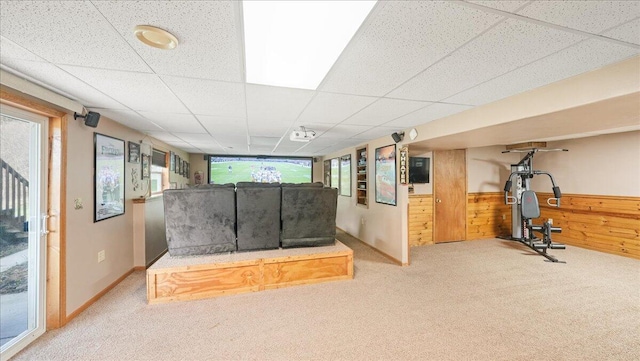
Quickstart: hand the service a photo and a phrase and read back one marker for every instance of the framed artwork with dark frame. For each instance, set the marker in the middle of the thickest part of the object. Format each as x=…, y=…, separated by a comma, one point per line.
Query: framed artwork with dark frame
x=109, y=175
x=134, y=152
x=178, y=164
x=345, y=175
x=172, y=161
x=386, y=188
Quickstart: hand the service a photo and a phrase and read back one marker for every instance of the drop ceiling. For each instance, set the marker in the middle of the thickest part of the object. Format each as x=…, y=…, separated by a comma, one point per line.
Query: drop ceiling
x=411, y=62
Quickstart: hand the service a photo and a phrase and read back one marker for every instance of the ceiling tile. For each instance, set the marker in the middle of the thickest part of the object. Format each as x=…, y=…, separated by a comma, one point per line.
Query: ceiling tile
x=186, y=123
x=233, y=143
x=194, y=137
x=589, y=16
x=504, y=5
x=129, y=118
x=377, y=132
x=384, y=110
x=508, y=46
x=332, y=108
x=60, y=81
x=260, y=149
x=591, y=53
x=341, y=131
x=221, y=127
x=400, y=39
x=269, y=104
x=166, y=137
x=425, y=115
x=629, y=32
x=207, y=31
x=191, y=149
x=271, y=141
x=269, y=129
x=209, y=97
x=11, y=50
x=145, y=92
x=68, y=32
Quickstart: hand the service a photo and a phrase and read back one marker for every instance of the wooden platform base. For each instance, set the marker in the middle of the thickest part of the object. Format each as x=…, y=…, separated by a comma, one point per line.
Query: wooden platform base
x=190, y=278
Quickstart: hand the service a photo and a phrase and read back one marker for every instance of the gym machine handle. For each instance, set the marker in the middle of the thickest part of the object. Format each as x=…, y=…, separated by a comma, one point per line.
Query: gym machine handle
x=507, y=188
x=550, y=201
x=556, y=194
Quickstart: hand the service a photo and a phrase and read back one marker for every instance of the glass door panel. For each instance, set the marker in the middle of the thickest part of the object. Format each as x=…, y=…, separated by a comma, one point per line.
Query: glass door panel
x=23, y=162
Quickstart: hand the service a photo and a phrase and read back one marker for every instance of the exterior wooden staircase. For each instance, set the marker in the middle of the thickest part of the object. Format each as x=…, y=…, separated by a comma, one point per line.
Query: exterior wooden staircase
x=14, y=201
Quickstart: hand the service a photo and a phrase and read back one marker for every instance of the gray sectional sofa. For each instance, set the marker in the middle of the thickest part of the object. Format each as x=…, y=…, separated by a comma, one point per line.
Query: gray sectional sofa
x=250, y=216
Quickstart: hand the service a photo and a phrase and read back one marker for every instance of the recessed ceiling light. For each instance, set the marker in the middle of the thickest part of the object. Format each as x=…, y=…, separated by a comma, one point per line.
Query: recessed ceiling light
x=155, y=37
x=295, y=43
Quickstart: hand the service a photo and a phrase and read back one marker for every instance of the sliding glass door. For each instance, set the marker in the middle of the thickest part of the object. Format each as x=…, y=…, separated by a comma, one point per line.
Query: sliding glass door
x=23, y=165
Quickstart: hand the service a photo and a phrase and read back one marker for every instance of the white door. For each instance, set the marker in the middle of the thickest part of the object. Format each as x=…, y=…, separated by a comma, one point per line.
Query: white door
x=23, y=191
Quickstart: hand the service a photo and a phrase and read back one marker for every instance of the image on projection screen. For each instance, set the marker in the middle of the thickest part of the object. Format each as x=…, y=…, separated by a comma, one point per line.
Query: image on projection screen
x=230, y=169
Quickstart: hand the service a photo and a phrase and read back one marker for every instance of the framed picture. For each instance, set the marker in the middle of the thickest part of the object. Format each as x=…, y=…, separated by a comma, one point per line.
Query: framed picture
x=386, y=175
x=134, y=152
x=327, y=173
x=335, y=174
x=184, y=168
x=108, y=183
x=146, y=166
x=172, y=161
x=178, y=164
x=345, y=175
x=187, y=171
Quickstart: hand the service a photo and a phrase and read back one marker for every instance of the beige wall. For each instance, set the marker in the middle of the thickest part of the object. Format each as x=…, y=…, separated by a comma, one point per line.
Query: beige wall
x=601, y=165
x=381, y=226
x=197, y=164
x=488, y=168
x=85, y=276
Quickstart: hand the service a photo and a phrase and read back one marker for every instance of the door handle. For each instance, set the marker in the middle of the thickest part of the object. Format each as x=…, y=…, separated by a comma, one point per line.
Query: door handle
x=438, y=200
x=43, y=225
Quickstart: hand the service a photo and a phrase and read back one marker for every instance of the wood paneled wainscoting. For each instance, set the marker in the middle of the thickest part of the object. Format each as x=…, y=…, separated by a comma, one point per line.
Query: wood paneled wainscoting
x=487, y=216
x=602, y=223
x=420, y=219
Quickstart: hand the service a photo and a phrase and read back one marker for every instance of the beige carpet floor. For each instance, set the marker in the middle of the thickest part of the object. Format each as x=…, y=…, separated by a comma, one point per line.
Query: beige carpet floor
x=482, y=300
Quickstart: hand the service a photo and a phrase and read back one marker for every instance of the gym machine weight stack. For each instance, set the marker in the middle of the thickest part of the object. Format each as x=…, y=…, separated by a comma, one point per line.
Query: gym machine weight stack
x=524, y=205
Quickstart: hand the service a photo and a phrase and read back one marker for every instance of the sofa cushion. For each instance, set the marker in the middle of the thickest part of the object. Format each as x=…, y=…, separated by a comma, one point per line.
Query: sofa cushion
x=200, y=220
x=308, y=216
x=258, y=207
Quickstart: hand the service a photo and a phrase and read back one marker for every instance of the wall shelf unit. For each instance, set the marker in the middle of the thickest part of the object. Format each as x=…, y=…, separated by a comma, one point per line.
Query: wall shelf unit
x=362, y=185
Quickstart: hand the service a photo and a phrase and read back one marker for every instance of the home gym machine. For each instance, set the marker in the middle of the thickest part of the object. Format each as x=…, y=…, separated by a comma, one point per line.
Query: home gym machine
x=524, y=205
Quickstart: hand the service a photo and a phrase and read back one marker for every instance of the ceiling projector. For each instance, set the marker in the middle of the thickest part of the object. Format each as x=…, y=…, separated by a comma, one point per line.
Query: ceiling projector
x=302, y=135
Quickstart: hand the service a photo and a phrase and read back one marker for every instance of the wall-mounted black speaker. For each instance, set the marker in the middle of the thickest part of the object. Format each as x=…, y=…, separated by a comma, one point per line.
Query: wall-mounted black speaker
x=397, y=137
x=315, y=160
x=90, y=120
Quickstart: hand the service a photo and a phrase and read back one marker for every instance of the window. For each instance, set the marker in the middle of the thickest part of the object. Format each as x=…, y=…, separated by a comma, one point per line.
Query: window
x=159, y=172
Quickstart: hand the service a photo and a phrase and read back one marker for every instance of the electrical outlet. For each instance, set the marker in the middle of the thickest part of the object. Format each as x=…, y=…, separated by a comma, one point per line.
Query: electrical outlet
x=78, y=203
x=550, y=220
x=362, y=221
x=101, y=256
x=504, y=216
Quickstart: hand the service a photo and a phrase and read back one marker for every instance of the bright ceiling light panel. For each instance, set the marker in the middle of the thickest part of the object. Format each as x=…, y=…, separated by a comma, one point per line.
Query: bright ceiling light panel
x=295, y=43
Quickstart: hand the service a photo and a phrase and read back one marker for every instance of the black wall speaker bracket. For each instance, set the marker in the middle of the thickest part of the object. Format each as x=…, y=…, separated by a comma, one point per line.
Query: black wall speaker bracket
x=91, y=119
